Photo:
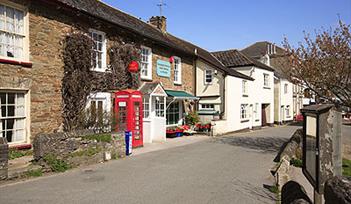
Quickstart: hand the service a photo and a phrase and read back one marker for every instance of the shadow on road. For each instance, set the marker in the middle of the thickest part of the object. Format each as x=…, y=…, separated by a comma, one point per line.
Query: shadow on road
x=264, y=144
x=261, y=193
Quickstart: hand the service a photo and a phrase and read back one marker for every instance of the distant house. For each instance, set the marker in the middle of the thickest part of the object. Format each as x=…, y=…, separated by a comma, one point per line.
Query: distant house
x=289, y=97
x=250, y=100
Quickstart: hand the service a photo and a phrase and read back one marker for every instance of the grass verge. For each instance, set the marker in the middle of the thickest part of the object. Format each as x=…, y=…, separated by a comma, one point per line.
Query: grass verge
x=99, y=137
x=34, y=173
x=346, y=167
x=14, y=153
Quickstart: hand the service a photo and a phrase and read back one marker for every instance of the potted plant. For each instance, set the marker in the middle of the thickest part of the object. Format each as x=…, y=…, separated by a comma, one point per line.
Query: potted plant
x=170, y=132
x=192, y=119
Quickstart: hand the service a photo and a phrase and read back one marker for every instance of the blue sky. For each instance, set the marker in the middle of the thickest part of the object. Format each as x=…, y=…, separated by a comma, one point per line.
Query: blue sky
x=226, y=24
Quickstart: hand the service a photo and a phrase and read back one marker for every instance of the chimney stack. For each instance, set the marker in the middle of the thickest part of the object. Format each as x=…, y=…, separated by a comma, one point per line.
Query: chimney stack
x=159, y=22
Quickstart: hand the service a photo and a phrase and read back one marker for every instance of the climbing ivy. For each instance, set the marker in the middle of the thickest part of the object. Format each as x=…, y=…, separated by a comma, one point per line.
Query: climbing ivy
x=80, y=81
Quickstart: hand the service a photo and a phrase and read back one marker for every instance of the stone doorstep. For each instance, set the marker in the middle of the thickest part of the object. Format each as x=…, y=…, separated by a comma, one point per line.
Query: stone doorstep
x=20, y=166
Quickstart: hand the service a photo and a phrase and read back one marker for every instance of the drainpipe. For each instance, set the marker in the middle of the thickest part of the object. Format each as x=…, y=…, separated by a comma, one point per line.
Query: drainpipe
x=195, y=79
x=223, y=98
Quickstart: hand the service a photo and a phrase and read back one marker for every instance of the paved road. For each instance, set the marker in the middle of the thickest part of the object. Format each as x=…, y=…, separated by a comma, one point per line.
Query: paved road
x=211, y=171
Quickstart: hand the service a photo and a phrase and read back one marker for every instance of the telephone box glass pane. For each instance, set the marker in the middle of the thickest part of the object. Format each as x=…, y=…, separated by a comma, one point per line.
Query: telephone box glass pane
x=137, y=120
x=311, y=148
x=122, y=118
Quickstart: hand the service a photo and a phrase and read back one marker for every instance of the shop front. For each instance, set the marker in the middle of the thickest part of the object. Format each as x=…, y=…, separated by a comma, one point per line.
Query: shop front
x=163, y=109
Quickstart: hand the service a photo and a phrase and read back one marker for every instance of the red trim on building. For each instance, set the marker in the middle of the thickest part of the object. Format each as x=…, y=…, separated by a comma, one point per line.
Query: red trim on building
x=16, y=62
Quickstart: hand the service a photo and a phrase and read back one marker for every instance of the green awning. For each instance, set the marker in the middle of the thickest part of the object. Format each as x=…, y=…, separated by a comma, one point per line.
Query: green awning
x=180, y=95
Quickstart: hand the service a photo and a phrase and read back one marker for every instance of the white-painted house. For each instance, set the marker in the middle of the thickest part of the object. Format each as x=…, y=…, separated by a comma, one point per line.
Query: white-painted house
x=249, y=101
x=274, y=56
x=218, y=89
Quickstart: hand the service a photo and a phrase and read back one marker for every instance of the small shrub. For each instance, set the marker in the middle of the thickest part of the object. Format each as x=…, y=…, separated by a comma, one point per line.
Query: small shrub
x=34, y=173
x=192, y=118
x=346, y=167
x=99, y=138
x=56, y=165
x=296, y=163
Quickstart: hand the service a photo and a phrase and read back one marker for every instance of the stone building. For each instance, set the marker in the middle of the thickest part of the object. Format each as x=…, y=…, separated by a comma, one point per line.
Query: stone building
x=32, y=68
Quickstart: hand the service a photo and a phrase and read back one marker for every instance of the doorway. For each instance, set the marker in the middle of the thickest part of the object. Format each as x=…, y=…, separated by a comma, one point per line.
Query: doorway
x=265, y=114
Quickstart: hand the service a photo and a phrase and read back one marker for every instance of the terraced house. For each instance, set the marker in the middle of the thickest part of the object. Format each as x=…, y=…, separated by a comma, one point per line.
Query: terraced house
x=32, y=35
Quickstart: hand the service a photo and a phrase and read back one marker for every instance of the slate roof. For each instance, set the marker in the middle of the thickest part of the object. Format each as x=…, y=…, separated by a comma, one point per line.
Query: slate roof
x=260, y=49
x=234, y=59
x=277, y=61
x=110, y=14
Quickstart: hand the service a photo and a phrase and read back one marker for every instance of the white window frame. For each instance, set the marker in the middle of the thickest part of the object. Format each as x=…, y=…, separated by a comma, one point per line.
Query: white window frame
x=286, y=88
x=210, y=75
x=24, y=34
x=256, y=111
x=25, y=117
x=169, y=106
x=103, y=51
x=146, y=107
x=245, y=88
x=160, y=107
x=287, y=111
x=266, y=82
x=148, y=64
x=103, y=97
x=207, y=106
x=177, y=70
x=244, y=111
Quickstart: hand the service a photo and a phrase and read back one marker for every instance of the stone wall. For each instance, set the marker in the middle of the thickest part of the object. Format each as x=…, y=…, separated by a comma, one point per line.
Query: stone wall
x=337, y=190
x=76, y=149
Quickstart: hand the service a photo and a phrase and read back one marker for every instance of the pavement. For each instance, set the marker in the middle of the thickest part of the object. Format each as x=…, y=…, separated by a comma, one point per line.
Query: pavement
x=192, y=170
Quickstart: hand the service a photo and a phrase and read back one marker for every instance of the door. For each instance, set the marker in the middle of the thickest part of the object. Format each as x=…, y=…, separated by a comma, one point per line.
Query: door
x=264, y=115
x=137, y=125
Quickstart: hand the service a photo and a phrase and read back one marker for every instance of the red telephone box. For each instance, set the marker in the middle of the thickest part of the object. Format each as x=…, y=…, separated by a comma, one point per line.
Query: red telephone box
x=129, y=114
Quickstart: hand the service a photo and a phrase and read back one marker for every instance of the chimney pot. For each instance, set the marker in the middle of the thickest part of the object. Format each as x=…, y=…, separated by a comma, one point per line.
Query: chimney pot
x=159, y=22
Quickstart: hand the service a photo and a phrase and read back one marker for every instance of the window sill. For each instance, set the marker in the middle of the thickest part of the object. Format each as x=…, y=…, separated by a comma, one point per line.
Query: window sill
x=145, y=79
x=257, y=120
x=244, y=120
x=245, y=95
x=267, y=87
x=16, y=62
x=99, y=70
x=177, y=83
